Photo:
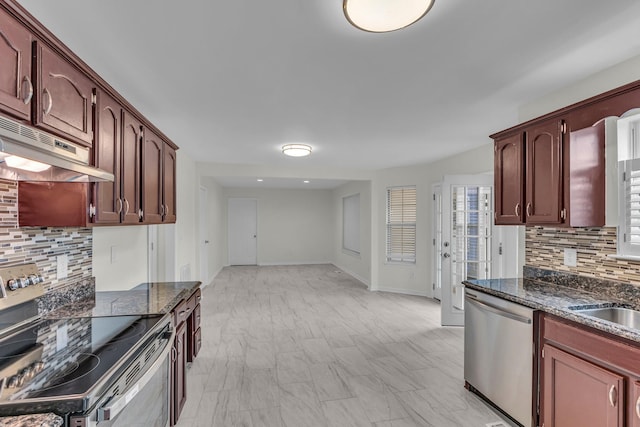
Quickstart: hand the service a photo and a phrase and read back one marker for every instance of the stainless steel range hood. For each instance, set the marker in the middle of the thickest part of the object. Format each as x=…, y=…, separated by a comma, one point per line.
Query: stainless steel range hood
x=27, y=154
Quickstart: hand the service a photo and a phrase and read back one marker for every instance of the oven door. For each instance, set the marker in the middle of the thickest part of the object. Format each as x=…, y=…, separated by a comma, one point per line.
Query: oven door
x=144, y=401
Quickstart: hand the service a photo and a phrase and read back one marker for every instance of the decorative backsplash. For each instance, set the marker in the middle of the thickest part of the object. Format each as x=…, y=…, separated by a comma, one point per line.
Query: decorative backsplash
x=43, y=245
x=545, y=249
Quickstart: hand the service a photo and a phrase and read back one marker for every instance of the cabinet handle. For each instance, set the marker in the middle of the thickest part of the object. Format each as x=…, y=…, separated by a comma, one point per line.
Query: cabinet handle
x=638, y=407
x=529, y=209
x=29, y=91
x=613, y=395
x=161, y=210
x=119, y=208
x=517, y=209
x=126, y=206
x=166, y=209
x=47, y=109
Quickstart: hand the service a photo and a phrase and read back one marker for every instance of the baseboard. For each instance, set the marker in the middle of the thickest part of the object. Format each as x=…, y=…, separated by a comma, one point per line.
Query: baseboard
x=403, y=292
x=359, y=278
x=270, y=264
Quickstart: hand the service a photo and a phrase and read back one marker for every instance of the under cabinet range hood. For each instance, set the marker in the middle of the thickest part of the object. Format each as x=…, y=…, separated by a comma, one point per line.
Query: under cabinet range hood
x=27, y=154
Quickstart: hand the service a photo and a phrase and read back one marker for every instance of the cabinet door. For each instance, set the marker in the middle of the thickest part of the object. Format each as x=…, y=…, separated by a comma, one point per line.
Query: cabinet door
x=169, y=184
x=180, y=374
x=130, y=168
x=152, y=200
x=578, y=393
x=544, y=174
x=63, y=97
x=509, y=180
x=16, y=89
x=108, y=116
x=635, y=405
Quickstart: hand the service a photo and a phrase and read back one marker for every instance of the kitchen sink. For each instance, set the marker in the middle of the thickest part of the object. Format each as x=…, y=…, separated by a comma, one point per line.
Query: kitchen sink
x=622, y=316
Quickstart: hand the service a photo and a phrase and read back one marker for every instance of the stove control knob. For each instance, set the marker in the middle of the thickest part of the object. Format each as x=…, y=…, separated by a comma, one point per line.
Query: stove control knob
x=13, y=284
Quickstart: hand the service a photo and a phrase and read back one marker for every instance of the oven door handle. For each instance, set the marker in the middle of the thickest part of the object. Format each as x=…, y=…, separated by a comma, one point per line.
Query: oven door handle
x=114, y=407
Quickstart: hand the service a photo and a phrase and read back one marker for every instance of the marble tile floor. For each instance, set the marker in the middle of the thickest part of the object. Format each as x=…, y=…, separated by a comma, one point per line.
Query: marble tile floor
x=307, y=346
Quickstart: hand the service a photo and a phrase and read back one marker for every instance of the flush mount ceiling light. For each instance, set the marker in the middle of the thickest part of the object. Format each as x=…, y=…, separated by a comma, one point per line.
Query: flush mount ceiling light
x=296, y=150
x=380, y=16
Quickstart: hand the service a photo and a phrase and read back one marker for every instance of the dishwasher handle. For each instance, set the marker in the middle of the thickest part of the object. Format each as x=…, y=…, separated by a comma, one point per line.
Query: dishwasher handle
x=497, y=310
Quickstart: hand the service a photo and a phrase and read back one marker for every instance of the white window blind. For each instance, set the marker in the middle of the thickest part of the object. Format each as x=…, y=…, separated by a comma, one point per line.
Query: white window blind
x=629, y=240
x=351, y=223
x=401, y=224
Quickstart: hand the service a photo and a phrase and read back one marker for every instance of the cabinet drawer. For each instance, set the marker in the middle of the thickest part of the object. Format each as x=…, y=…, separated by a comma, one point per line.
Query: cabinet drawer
x=180, y=313
x=193, y=300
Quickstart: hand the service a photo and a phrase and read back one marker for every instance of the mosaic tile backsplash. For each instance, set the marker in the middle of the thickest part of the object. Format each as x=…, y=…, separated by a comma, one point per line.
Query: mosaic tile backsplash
x=43, y=245
x=545, y=249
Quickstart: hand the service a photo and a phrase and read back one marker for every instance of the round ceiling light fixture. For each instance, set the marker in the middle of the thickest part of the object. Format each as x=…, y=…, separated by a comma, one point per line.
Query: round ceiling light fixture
x=381, y=16
x=296, y=150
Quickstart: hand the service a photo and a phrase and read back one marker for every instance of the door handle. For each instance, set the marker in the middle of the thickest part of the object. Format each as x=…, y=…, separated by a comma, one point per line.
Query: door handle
x=497, y=310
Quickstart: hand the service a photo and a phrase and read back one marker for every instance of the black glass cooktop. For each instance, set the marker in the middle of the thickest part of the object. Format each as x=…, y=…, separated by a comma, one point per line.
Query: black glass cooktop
x=55, y=359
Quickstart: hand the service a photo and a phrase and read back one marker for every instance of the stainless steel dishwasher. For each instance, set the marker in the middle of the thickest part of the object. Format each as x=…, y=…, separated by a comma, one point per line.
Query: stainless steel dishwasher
x=498, y=353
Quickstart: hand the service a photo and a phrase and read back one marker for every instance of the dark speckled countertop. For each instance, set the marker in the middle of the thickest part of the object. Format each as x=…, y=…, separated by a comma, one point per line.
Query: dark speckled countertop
x=146, y=298
x=543, y=293
x=36, y=420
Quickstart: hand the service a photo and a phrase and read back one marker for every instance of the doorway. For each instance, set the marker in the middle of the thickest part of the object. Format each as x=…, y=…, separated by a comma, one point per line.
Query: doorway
x=463, y=224
x=204, y=235
x=242, y=223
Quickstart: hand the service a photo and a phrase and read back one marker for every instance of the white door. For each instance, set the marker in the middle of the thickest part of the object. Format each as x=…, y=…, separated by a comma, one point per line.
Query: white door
x=437, y=242
x=243, y=231
x=467, y=249
x=204, y=236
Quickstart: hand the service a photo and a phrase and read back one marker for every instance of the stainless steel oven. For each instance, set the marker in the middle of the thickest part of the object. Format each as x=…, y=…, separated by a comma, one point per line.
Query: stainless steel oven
x=140, y=397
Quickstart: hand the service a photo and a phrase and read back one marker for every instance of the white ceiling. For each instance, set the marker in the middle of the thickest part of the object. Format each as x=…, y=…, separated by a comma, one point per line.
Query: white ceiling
x=232, y=81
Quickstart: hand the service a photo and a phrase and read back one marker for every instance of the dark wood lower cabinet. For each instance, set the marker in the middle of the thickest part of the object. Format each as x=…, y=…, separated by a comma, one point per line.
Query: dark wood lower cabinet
x=580, y=393
x=179, y=374
x=588, y=378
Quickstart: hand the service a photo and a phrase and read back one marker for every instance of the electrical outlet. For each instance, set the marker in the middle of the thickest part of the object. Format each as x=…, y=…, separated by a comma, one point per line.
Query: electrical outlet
x=570, y=257
x=62, y=337
x=62, y=266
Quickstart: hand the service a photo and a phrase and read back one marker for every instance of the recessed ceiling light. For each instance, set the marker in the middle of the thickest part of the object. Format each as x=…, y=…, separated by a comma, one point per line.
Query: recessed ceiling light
x=379, y=16
x=296, y=150
x=305, y=181
x=260, y=179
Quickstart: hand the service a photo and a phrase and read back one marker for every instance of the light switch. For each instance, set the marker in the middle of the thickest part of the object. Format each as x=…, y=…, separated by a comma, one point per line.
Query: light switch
x=570, y=257
x=62, y=266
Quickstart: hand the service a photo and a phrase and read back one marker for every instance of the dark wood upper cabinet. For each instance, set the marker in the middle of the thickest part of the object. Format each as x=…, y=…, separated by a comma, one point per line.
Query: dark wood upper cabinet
x=152, y=179
x=543, y=199
x=169, y=184
x=130, y=168
x=16, y=87
x=580, y=393
x=107, y=152
x=63, y=97
x=585, y=165
x=509, y=180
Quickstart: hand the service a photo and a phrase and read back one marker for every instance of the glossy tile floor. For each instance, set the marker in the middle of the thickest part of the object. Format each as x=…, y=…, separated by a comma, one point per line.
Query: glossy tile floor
x=300, y=346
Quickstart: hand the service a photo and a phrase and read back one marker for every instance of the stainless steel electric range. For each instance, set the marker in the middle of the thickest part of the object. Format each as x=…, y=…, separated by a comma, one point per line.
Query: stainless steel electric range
x=92, y=371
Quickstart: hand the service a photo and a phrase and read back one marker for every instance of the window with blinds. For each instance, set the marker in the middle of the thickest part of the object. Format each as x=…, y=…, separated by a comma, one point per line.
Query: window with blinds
x=629, y=184
x=401, y=224
x=629, y=240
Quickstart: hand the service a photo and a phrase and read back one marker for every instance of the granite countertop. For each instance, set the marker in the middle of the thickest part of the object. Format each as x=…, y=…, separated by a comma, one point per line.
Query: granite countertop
x=35, y=420
x=146, y=298
x=563, y=301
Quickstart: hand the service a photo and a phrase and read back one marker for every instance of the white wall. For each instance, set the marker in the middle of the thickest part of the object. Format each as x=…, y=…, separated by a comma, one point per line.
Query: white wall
x=357, y=265
x=129, y=267
x=294, y=226
x=216, y=227
x=186, y=228
x=409, y=278
x=615, y=76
